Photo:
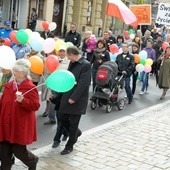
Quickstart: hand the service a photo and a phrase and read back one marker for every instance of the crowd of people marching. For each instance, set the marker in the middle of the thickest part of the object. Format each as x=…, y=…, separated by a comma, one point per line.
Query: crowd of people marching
x=136, y=55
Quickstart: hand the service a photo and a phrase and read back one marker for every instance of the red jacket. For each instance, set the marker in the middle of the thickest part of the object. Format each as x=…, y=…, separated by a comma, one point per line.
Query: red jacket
x=18, y=120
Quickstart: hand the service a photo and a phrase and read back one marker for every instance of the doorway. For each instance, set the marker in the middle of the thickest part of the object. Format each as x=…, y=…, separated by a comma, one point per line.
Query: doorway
x=58, y=16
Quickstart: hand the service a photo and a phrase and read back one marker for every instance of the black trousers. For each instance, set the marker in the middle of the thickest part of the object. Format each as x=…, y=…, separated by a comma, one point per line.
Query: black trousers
x=61, y=130
x=71, y=123
x=20, y=152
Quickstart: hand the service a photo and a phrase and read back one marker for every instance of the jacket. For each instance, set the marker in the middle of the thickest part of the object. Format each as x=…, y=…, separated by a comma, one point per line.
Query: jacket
x=99, y=57
x=73, y=37
x=164, y=73
x=18, y=120
x=79, y=93
x=125, y=64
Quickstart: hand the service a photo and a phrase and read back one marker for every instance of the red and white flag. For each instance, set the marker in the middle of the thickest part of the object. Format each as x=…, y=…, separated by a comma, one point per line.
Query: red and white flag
x=119, y=10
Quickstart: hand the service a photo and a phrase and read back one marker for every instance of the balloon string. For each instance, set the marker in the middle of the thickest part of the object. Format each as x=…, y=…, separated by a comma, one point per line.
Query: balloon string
x=14, y=79
x=33, y=88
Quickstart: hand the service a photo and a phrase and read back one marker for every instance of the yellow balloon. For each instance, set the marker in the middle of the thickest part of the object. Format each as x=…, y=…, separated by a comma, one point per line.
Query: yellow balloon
x=149, y=62
x=58, y=44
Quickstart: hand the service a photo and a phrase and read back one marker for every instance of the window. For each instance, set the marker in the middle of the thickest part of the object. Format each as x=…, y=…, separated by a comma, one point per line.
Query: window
x=40, y=9
x=89, y=13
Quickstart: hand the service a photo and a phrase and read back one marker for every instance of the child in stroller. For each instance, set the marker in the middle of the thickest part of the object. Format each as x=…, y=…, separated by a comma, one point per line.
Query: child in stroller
x=107, y=87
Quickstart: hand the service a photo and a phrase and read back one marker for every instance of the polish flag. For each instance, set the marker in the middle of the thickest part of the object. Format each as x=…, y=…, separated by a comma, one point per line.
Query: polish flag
x=118, y=9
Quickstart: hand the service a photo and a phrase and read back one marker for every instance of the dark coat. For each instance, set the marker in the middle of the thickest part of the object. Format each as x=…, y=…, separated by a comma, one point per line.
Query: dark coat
x=79, y=93
x=47, y=35
x=73, y=37
x=164, y=73
x=125, y=64
x=18, y=120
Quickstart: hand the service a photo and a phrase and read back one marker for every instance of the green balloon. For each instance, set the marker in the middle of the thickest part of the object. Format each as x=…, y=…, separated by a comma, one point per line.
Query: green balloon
x=142, y=61
x=22, y=37
x=130, y=31
x=61, y=81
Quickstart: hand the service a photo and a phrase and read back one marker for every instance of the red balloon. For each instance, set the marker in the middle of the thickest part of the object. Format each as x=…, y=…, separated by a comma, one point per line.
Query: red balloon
x=13, y=36
x=126, y=32
x=7, y=42
x=45, y=25
x=113, y=48
x=165, y=45
x=52, y=63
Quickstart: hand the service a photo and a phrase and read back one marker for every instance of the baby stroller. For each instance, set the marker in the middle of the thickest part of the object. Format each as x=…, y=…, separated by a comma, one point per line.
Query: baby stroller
x=107, y=87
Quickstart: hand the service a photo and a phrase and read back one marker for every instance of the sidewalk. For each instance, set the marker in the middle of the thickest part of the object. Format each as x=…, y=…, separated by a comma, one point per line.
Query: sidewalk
x=140, y=141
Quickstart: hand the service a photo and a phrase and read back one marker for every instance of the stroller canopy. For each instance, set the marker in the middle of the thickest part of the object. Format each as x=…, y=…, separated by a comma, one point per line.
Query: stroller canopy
x=112, y=66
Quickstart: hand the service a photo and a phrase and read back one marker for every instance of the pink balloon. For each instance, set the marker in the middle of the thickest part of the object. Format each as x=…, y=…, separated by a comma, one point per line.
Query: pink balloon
x=147, y=69
x=49, y=45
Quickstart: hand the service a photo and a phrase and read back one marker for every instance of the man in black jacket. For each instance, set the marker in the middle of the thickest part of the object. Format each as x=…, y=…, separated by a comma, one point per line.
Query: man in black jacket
x=73, y=36
x=126, y=65
x=74, y=102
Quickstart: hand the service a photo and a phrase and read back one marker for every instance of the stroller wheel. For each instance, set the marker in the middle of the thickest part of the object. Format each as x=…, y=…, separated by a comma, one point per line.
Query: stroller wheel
x=93, y=105
x=121, y=104
x=108, y=108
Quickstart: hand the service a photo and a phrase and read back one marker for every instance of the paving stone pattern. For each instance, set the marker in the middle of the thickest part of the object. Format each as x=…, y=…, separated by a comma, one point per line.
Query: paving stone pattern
x=139, y=142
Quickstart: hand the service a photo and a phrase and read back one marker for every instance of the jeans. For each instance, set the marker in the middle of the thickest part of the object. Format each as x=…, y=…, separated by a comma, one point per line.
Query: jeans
x=60, y=129
x=128, y=88
x=71, y=122
x=144, y=79
x=134, y=78
x=94, y=72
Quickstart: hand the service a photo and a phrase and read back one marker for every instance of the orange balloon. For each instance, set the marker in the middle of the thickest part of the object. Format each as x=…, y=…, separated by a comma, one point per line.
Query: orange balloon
x=52, y=63
x=137, y=58
x=137, y=39
x=37, y=65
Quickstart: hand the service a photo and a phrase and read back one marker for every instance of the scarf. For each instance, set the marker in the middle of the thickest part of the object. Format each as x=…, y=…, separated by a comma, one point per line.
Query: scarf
x=166, y=56
x=4, y=80
x=100, y=50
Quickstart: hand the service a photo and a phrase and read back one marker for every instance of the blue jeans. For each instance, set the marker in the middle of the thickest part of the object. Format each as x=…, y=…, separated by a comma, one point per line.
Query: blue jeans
x=144, y=79
x=94, y=72
x=128, y=88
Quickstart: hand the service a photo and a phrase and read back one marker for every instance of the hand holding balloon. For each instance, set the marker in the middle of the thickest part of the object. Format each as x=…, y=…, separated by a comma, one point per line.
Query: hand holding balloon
x=19, y=97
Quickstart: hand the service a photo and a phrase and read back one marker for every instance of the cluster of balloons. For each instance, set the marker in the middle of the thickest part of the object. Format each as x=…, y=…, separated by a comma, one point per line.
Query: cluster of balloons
x=51, y=27
x=143, y=62
x=129, y=34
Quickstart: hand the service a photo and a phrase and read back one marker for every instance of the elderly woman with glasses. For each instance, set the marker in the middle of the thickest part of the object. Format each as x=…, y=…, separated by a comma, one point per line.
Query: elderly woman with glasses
x=18, y=104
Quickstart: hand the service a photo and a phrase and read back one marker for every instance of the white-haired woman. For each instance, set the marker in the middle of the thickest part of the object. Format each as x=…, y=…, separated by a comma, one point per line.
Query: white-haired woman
x=17, y=117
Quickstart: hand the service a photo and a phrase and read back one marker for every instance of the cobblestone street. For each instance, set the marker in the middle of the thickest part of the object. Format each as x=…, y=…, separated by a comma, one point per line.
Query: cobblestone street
x=140, y=141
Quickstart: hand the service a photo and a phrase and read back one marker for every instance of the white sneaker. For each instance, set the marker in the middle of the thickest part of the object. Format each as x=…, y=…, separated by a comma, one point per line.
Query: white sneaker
x=141, y=93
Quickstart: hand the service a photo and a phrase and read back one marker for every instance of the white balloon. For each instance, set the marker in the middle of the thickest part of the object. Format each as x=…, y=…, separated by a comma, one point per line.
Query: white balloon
x=7, y=57
x=132, y=36
x=52, y=26
x=139, y=68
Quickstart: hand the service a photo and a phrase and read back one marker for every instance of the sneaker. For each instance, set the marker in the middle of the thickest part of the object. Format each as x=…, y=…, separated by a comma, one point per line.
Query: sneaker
x=162, y=98
x=55, y=144
x=141, y=93
x=50, y=122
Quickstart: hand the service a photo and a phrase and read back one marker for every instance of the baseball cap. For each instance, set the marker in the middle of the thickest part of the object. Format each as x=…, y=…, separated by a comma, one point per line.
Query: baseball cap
x=7, y=23
x=62, y=47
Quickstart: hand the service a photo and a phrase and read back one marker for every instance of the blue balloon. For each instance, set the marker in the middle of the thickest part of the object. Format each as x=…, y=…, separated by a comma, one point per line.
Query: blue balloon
x=36, y=44
x=113, y=56
x=143, y=55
